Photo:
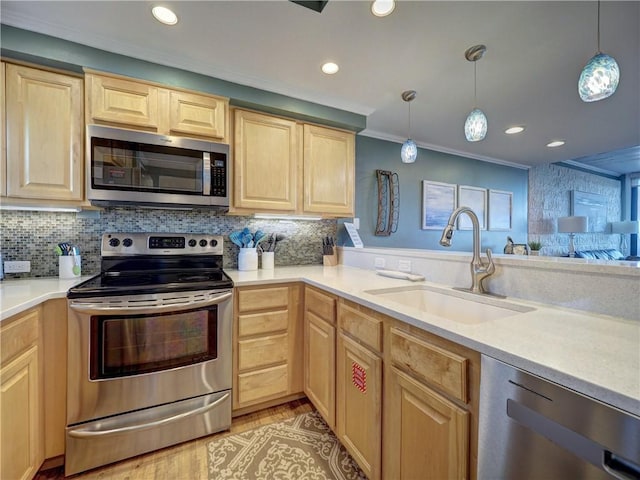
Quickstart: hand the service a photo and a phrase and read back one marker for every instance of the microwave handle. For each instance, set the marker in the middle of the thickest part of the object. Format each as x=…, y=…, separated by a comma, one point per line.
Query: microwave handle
x=206, y=173
x=101, y=309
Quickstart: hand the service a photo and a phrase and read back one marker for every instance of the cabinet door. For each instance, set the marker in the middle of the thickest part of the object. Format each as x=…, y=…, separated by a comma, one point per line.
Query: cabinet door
x=329, y=165
x=359, y=399
x=3, y=135
x=198, y=115
x=320, y=366
x=426, y=435
x=123, y=102
x=265, y=162
x=20, y=417
x=44, y=134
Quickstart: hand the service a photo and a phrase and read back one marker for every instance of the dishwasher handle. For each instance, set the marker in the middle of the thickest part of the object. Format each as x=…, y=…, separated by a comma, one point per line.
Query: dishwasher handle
x=619, y=467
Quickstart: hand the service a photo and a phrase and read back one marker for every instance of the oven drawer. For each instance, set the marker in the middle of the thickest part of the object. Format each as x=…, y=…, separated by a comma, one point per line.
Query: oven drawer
x=99, y=442
x=263, y=351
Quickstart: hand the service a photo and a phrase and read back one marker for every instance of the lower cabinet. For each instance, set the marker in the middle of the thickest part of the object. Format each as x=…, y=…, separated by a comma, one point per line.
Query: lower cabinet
x=428, y=435
x=21, y=416
x=359, y=385
x=320, y=352
x=267, y=331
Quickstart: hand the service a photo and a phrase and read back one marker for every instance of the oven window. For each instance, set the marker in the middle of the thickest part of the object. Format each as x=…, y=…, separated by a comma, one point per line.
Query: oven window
x=134, y=344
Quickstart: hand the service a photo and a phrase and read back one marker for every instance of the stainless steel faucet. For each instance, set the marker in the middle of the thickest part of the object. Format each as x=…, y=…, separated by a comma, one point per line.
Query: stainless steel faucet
x=479, y=270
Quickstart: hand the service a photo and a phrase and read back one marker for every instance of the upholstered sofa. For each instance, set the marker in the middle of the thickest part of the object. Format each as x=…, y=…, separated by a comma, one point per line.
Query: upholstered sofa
x=604, y=254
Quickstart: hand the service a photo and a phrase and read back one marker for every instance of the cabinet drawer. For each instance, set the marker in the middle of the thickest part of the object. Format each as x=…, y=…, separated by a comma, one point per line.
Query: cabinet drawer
x=261, y=323
x=263, y=384
x=321, y=304
x=263, y=298
x=363, y=327
x=18, y=334
x=259, y=352
x=439, y=367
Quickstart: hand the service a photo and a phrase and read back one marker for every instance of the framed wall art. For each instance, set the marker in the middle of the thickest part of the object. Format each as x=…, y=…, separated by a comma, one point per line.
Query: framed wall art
x=438, y=201
x=500, y=206
x=476, y=199
x=590, y=205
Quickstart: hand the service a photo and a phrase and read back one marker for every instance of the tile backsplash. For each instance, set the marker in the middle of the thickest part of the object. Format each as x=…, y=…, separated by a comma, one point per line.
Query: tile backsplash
x=27, y=235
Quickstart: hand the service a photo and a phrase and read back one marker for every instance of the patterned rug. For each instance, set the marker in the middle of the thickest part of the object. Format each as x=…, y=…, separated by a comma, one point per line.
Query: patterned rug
x=299, y=448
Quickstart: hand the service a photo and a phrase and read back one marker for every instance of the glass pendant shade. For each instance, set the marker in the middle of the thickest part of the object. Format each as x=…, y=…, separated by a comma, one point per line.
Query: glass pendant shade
x=409, y=151
x=599, y=78
x=475, y=127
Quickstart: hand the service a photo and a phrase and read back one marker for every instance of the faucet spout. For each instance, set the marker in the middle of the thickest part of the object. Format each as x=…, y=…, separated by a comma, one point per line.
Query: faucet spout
x=479, y=270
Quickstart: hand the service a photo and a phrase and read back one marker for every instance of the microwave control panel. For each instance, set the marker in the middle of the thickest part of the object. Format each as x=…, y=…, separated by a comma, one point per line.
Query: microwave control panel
x=218, y=177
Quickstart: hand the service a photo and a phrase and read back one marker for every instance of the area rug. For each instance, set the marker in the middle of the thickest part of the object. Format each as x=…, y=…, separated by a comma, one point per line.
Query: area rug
x=299, y=448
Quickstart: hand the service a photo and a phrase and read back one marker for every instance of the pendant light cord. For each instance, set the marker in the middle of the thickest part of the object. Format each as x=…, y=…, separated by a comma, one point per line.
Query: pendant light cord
x=409, y=119
x=475, y=84
x=599, y=26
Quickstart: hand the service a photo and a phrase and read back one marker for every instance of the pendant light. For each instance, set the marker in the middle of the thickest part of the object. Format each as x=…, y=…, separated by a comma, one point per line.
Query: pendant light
x=475, y=127
x=600, y=76
x=409, y=150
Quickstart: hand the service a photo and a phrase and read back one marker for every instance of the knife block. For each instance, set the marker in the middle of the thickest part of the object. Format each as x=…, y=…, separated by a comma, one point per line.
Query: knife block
x=330, y=260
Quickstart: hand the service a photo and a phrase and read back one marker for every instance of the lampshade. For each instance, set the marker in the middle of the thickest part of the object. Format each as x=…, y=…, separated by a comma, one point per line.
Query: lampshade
x=573, y=224
x=599, y=78
x=409, y=151
x=625, y=227
x=475, y=127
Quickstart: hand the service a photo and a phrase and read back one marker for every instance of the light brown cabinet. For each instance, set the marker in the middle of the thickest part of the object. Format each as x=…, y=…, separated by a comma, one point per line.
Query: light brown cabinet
x=139, y=105
x=3, y=134
x=320, y=352
x=267, y=359
x=44, y=134
x=359, y=386
x=430, y=406
x=284, y=166
x=21, y=415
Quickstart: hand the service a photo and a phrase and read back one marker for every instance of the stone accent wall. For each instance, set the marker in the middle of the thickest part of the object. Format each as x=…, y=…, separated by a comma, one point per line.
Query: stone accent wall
x=550, y=189
x=26, y=235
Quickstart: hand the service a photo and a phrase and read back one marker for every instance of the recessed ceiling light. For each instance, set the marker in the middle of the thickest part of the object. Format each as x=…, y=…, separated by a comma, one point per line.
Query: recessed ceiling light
x=164, y=15
x=382, y=8
x=330, y=68
x=512, y=130
x=555, y=143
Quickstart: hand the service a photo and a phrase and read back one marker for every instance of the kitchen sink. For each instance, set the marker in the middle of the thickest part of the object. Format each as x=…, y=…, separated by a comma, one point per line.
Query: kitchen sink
x=453, y=305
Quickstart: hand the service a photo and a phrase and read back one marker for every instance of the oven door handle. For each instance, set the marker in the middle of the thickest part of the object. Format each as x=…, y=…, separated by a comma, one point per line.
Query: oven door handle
x=88, y=432
x=102, y=309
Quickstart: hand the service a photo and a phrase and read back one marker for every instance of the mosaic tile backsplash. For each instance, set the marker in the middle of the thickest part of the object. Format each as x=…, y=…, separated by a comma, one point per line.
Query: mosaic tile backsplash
x=33, y=235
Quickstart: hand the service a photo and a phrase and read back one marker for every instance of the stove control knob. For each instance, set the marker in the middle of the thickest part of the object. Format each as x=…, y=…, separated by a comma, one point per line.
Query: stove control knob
x=192, y=243
x=213, y=242
x=203, y=243
x=114, y=242
x=127, y=242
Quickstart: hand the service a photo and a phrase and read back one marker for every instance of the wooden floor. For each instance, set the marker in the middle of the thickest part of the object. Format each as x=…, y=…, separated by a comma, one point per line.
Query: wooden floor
x=187, y=461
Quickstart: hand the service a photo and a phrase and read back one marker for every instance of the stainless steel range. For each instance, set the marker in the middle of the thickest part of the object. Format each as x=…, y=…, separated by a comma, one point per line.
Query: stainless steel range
x=149, y=342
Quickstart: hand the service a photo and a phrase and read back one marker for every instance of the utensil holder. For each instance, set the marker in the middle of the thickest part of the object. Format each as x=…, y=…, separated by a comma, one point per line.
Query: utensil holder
x=69, y=266
x=268, y=260
x=330, y=260
x=248, y=259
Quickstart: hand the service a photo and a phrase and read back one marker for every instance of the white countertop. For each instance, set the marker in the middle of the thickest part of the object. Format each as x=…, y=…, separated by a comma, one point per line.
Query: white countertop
x=596, y=355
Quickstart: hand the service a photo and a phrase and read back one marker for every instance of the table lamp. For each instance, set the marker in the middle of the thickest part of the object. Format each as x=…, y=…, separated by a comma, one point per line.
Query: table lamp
x=625, y=228
x=572, y=225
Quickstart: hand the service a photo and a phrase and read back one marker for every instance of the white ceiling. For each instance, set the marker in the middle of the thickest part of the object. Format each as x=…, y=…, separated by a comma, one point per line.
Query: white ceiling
x=535, y=52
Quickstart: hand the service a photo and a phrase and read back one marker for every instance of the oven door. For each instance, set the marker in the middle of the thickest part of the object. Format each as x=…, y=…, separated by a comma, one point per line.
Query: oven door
x=132, y=352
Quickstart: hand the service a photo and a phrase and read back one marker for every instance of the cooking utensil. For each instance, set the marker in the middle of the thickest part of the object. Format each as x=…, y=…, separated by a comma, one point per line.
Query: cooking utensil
x=236, y=238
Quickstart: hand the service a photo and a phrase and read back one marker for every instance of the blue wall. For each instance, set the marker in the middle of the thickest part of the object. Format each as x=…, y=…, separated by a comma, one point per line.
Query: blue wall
x=373, y=154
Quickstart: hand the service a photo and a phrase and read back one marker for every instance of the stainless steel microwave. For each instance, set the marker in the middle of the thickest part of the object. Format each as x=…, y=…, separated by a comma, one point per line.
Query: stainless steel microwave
x=125, y=167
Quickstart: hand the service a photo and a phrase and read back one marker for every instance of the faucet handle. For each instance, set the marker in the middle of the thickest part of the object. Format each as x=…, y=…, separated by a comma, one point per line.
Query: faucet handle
x=490, y=266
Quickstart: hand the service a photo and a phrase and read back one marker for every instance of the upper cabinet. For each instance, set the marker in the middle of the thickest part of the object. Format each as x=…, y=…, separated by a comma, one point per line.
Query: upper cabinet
x=329, y=165
x=3, y=134
x=44, y=134
x=139, y=105
x=283, y=166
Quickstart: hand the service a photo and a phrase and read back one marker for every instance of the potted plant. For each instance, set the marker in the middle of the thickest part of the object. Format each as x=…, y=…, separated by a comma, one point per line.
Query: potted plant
x=535, y=247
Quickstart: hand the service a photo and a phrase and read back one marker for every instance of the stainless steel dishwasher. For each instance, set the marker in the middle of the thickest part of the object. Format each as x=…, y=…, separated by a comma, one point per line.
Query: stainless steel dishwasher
x=533, y=429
